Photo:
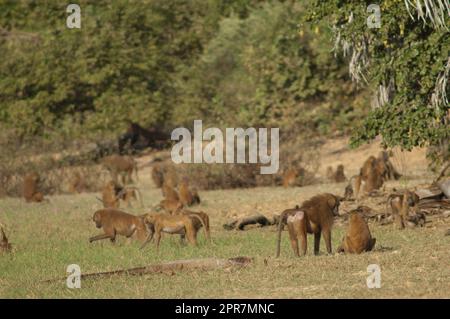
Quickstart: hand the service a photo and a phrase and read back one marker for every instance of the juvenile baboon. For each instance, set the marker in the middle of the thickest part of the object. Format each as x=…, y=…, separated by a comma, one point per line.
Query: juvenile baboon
x=187, y=197
x=123, y=165
x=77, y=184
x=203, y=221
x=289, y=177
x=358, y=238
x=386, y=168
x=171, y=224
x=317, y=214
x=353, y=187
x=402, y=205
x=110, y=196
x=158, y=175
x=30, y=188
x=169, y=193
x=115, y=222
x=170, y=206
x=5, y=246
x=339, y=175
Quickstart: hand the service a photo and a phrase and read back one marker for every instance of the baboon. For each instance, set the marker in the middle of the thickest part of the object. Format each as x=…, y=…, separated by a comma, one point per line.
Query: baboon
x=113, y=193
x=123, y=165
x=77, y=183
x=115, y=222
x=370, y=179
x=339, y=175
x=358, y=238
x=158, y=176
x=109, y=195
x=5, y=246
x=187, y=197
x=170, y=206
x=289, y=177
x=386, y=168
x=172, y=224
x=315, y=216
x=30, y=188
x=401, y=204
x=170, y=176
x=353, y=187
x=198, y=223
x=169, y=193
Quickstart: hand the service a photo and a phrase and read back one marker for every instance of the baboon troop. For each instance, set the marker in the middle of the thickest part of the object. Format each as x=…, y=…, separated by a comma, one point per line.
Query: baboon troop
x=30, y=188
x=121, y=165
x=115, y=222
x=374, y=172
x=358, y=238
x=315, y=216
x=338, y=176
x=113, y=193
x=5, y=246
x=403, y=207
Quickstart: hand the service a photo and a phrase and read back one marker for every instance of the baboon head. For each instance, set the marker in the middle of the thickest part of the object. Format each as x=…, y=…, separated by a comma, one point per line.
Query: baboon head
x=334, y=202
x=97, y=219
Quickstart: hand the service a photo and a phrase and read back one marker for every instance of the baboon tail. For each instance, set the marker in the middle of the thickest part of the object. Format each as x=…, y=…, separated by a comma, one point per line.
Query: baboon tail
x=280, y=226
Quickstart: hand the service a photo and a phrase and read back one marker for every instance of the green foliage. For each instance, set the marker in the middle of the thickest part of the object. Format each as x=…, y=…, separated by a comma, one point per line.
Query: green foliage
x=411, y=54
x=169, y=62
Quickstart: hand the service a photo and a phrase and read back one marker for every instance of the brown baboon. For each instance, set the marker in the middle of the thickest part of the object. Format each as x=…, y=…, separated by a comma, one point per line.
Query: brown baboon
x=289, y=177
x=386, y=168
x=401, y=204
x=317, y=214
x=358, y=238
x=158, y=175
x=170, y=206
x=170, y=176
x=169, y=193
x=198, y=223
x=113, y=193
x=30, y=188
x=172, y=224
x=339, y=175
x=5, y=246
x=115, y=222
x=109, y=195
x=187, y=197
x=123, y=165
x=77, y=184
x=353, y=187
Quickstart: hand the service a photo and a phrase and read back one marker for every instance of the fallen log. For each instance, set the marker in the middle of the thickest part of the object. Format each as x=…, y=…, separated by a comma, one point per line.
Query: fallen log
x=203, y=264
x=252, y=220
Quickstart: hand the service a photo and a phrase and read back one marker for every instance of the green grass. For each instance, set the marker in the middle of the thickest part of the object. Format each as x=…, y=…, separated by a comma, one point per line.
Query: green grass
x=48, y=237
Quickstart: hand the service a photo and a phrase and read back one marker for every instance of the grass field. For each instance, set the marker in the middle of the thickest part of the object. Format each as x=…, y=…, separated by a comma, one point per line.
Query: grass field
x=48, y=237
